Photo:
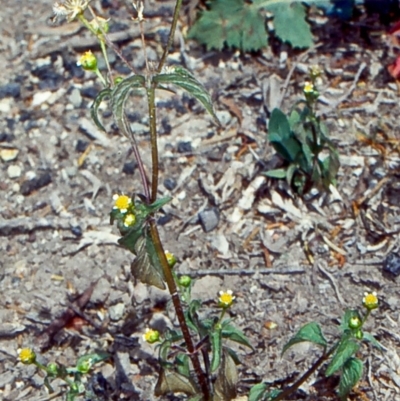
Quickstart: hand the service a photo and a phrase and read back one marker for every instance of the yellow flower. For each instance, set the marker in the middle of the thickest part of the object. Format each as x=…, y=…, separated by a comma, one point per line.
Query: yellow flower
x=151, y=336
x=70, y=8
x=88, y=61
x=308, y=87
x=370, y=300
x=122, y=202
x=226, y=298
x=129, y=220
x=27, y=356
x=171, y=259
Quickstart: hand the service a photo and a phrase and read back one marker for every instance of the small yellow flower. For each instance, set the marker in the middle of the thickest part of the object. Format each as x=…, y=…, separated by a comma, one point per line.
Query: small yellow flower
x=122, y=202
x=27, y=356
x=226, y=298
x=370, y=300
x=151, y=336
x=70, y=8
x=171, y=259
x=129, y=220
x=308, y=87
x=88, y=61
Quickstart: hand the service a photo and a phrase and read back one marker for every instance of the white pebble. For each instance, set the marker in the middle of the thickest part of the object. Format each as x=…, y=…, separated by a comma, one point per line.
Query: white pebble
x=14, y=171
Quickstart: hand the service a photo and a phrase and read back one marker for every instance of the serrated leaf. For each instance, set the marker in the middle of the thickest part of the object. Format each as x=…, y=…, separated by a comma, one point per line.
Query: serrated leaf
x=236, y=335
x=170, y=381
x=146, y=266
x=225, y=385
x=216, y=348
x=346, y=349
x=279, y=173
x=234, y=23
x=185, y=80
x=119, y=95
x=96, y=104
x=290, y=23
x=351, y=374
x=310, y=332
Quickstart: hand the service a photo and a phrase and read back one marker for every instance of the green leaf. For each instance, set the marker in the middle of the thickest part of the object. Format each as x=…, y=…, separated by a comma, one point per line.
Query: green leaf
x=170, y=381
x=216, y=348
x=346, y=349
x=147, y=267
x=198, y=397
x=234, y=334
x=144, y=210
x=281, y=136
x=257, y=392
x=225, y=385
x=95, y=106
x=94, y=358
x=351, y=374
x=129, y=240
x=290, y=172
x=119, y=96
x=185, y=80
x=278, y=173
x=290, y=23
x=232, y=23
x=182, y=364
x=368, y=337
x=310, y=332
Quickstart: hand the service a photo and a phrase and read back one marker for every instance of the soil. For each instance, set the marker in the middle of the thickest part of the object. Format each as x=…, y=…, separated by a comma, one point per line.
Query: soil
x=66, y=285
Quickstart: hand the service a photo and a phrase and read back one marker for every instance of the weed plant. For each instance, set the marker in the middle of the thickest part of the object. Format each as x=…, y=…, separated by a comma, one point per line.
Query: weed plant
x=195, y=359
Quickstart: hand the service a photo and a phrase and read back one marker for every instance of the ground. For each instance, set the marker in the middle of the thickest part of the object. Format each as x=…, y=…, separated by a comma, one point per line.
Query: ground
x=288, y=260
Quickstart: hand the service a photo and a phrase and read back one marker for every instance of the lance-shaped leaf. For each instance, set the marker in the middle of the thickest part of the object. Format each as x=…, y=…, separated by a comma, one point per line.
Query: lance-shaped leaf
x=234, y=334
x=119, y=96
x=170, y=381
x=351, y=374
x=310, y=332
x=184, y=79
x=225, y=385
x=216, y=348
x=146, y=266
x=95, y=106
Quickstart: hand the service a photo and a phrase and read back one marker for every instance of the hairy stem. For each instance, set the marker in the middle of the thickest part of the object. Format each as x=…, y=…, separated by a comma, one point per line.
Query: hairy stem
x=153, y=139
x=194, y=356
x=171, y=35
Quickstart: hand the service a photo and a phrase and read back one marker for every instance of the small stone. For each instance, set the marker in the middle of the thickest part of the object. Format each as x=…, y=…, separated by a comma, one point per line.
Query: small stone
x=163, y=220
x=170, y=183
x=117, y=311
x=14, y=171
x=40, y=98
x=34, y=184
x=6, y=137
x=77, y=231
x=224, y=117
x=8, y=154
x=129, y=168
x=209, y=219
x=48, y=78
x=391, y=265
x=90, y=92
x=12, y=89
x=184, y=147
x=81, y=145
x=75, y=98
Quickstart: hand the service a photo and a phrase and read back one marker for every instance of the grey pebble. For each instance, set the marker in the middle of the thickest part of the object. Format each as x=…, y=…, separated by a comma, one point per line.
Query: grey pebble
x=209, y=219
x=116, y=312
x=14, y=171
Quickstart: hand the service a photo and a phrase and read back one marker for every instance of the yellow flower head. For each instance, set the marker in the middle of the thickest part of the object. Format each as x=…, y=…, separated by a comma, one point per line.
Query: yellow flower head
x=226, y=299
x=27, y=356
x=88, y=61
x=151, y=336
x=122, y=203
x=370, y=300
x=70, y=8
x=308, y=87
x=171, y=259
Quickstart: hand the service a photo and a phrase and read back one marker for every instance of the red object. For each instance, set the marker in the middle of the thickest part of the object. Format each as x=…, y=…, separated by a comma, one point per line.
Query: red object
x=394, y=69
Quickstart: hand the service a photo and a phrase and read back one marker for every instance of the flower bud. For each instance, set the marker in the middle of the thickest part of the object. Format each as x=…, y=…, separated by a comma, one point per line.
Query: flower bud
x=185, y=281
x=52, y=369
x=359, y=335
x=355, y=322
x=171, y=259
x=98, y=24
x=88, y=61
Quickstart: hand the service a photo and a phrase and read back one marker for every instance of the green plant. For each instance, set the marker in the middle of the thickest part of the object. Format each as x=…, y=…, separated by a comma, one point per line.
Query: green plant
x=194, y=359
x=342, y=357
x=302, y=140
x=241, y=24
x=72, y=376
